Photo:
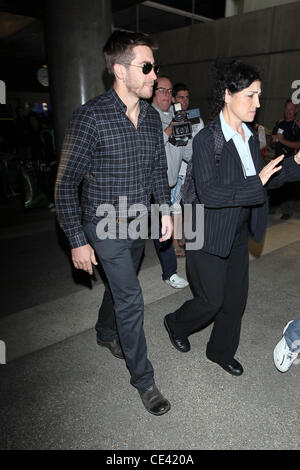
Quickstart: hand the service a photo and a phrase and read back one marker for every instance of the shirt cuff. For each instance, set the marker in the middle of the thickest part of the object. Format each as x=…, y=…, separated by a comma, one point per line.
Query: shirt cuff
x=78, y=240
x=165, y=209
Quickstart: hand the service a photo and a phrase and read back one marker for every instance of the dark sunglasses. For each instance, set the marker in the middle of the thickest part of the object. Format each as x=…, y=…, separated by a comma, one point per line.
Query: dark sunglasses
x=147, y=67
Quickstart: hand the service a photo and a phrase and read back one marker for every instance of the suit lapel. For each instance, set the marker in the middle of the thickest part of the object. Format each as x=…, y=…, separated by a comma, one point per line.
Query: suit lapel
x=256, y=155
x=234, y=153
x=230, y=147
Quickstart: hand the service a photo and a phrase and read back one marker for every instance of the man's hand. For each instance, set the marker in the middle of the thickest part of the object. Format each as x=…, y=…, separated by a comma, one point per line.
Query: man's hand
x=166, y=228
x=292, y=144
x=270, y=169
x=279, y=137
x=83, y=257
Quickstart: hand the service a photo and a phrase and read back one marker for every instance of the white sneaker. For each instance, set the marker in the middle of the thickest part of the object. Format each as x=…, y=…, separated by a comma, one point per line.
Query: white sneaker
x=283, y=356
x=177, y=282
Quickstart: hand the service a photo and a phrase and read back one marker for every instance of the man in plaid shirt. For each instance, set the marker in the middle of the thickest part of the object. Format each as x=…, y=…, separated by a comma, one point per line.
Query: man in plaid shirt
x=114, y=147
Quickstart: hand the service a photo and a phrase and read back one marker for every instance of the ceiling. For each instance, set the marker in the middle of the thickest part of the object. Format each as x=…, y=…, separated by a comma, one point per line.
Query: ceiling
x=22, y=31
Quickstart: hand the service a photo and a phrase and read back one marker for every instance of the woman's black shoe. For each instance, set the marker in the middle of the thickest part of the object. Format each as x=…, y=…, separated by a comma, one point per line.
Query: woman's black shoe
x=181, y=344
x=233, y=367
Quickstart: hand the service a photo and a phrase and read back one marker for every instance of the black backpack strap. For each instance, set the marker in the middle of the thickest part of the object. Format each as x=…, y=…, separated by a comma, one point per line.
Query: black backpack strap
x=219, y=141
x=188, y=188
x=218, y=150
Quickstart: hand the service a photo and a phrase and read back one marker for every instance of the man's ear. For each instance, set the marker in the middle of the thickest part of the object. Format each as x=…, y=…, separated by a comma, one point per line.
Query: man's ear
x=119, y=71
x=173, y=99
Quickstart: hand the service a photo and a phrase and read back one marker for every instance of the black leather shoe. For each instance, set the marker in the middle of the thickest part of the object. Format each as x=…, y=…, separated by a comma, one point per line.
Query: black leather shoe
x=181, y=344
x=233, y=367
x=114, y=347
x=154, y=401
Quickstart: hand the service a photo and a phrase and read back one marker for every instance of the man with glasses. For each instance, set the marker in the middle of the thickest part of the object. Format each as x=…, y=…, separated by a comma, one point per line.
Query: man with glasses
x=161, y=101
x=114, y=145
x=181, y=94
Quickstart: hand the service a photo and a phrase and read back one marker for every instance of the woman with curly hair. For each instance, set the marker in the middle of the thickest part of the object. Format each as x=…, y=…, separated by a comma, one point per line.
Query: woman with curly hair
x=233, y=191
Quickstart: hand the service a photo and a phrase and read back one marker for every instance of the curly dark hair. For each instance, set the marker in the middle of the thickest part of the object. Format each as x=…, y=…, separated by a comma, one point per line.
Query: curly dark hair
x=118, y=48
x=232, y=75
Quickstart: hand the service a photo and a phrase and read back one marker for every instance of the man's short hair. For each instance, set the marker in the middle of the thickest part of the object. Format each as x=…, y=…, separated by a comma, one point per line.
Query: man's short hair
x=179, y=87
x=119, y=46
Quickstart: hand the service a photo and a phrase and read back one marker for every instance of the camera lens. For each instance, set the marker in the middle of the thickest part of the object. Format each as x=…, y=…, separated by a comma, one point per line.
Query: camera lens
x=182, y=130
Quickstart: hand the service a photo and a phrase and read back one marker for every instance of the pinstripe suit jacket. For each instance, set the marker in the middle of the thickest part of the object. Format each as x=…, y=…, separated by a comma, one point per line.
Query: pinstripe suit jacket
x=224, y=190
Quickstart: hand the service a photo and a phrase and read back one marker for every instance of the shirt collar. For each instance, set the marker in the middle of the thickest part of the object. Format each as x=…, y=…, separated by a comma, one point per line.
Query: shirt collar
x=114, y=95
x=229, y=132
x=165, y=116
x=117, y=100
x=166, y=113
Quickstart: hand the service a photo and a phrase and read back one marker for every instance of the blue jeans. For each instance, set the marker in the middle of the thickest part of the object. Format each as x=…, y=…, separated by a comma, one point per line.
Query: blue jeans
x=166, y=254
x=292, y=335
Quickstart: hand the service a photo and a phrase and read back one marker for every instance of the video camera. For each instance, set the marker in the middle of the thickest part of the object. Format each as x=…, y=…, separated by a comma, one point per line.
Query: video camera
x=182, y=129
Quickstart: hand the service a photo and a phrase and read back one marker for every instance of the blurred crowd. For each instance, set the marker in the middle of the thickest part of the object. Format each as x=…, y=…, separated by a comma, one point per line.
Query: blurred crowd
x=27, y=157
x=28, y=160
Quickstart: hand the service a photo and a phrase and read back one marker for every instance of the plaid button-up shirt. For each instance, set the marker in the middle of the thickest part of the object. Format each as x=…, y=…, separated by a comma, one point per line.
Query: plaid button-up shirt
x=103, y=149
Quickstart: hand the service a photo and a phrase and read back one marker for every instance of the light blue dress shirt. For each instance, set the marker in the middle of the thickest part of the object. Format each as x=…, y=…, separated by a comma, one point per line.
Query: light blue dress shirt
x=241, y=146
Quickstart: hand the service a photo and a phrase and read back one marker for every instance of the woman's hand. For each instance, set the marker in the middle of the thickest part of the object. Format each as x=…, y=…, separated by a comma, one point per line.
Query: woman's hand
x=270, y=169
x=297, y=158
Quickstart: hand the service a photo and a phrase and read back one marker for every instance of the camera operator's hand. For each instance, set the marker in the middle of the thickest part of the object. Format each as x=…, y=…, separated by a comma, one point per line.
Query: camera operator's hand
x=168, y=130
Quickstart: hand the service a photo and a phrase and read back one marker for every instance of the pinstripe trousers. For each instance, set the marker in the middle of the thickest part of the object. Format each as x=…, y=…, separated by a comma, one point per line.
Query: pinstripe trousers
x=220, y=288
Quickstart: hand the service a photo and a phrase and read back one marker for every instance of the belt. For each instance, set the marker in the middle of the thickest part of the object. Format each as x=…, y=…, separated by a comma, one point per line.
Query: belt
x=124, y=219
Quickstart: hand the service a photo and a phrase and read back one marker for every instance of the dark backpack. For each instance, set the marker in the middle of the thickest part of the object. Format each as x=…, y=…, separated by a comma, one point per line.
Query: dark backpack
x=188, y=189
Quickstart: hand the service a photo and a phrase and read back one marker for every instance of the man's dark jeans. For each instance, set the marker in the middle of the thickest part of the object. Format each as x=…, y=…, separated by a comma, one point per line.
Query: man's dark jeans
x=122, y=311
